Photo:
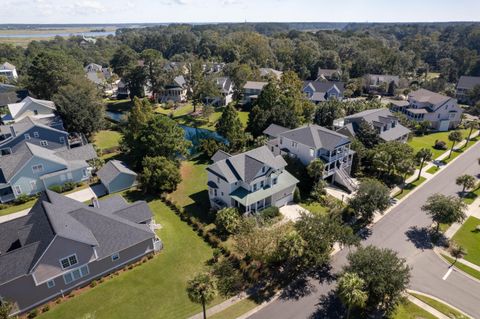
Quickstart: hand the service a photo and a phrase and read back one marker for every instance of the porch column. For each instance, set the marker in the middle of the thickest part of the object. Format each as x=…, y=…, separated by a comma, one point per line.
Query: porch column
x=264, y=203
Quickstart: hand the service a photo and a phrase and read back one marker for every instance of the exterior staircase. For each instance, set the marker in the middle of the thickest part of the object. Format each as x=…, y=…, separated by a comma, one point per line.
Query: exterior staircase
x=344, y=179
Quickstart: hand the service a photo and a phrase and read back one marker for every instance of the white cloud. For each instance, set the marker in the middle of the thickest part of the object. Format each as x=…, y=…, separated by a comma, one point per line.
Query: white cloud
x=88, y=7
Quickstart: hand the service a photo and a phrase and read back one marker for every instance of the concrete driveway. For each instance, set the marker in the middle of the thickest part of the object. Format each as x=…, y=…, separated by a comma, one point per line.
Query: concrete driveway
x=292, y=211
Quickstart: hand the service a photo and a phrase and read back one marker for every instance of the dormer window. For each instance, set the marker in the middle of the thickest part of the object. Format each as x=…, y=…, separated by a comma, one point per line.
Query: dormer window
x=27, y=136
x=36, y=135
x=35, y=112
x=254, y=187
x=69, y=261
x=263, y=169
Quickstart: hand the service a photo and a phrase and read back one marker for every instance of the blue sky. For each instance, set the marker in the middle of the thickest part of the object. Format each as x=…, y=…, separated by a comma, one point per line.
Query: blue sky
x=117, y=11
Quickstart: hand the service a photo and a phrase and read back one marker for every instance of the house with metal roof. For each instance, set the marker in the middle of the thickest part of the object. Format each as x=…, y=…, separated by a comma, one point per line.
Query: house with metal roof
x=465, y=85
x=62, y=244
x=382, y=120
x=250, y=181
x=116, y=176
x=440, y=110
x=30, y=168
x=321, y=91
x=310, y=142
x=29, y=107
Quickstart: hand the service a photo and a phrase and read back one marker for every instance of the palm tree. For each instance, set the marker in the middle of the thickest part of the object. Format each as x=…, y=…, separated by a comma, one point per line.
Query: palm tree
x=466, y=181
x=6, y=307
x=350, y=290
x=424, y=155
x=454, y=137
x=457, y=251
x=202, y=289
x=472, y=125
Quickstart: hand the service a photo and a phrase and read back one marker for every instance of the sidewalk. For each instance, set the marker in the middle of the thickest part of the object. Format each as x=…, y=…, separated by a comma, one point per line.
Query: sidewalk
x=426, y=307
x=222, y=306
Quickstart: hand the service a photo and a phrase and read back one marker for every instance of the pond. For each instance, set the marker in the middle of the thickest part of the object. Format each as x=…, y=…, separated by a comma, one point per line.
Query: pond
x=193, y=134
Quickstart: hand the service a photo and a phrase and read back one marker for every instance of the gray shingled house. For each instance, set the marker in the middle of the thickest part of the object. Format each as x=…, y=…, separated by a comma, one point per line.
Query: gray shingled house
x=465, y=85
x=310, y=142
x=382, y=120
x=250, y=181
x=62, y=244
x=116, y=176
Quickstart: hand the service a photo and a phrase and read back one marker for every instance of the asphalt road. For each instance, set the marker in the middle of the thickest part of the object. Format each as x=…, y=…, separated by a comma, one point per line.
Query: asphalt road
x=402, y=230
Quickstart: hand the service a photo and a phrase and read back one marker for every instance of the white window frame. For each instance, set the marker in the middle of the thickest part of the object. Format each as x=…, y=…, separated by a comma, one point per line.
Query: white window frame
x=63, y=177
x=44, y=143
x=312, y=152
x=33, y=185
x=27, y=136
x=69, y=176
x=68, y=260
x=84, y=173
x=17, y=189
x=115, y=256
x=51, y=283
x=36, y=135
x=62, y=140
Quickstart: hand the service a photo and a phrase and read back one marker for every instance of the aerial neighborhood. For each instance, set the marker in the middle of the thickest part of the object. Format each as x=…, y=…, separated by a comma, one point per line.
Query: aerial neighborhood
x=241, y=170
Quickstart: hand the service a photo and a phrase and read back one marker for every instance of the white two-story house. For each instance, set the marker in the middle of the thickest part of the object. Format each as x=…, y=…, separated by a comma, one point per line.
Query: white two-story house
x=310, y=142
x=441, y=111
x=251, y=91
x=249, y=181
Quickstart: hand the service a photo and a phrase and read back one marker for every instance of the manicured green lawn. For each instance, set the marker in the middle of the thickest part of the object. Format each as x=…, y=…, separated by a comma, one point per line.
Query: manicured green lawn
x=432, y=170
x=409, y=187
x=470, y=197
x=466, y=269
x=155, y=289
x=181, y=110
x=118, y=105
x=409, y=310
x=440, y=306
x=314, y=207
x=107, y=139
x=16, y=208
x=428, y=141
x=236, y=310
x=243, y=117
x=469, y=238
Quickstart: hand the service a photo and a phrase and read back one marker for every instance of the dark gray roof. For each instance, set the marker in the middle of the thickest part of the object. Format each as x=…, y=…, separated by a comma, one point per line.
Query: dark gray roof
x=112, y=227
x=246, y=166
x=316, y=137
x=112, y=169
x=84, y=152
x=376, y=79
x=253, y=85
x=327, y=72
x=324, y=86
x=224, y=84
x=466, y=82
x=274, y=130
x=220, y=155
x=10, y=94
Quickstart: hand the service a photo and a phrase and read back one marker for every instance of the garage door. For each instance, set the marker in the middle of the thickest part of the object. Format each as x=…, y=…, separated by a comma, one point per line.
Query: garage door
x=444, y=125
x=284, y=201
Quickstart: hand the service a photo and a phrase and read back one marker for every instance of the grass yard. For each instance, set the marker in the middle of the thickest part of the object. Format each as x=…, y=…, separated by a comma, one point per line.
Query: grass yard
x=432, y=170
x=466, y=269
x=236, y=310
x=155, y=289
x=440, y=306
x=409, y=310
x=107, y=139
x=118, y=105
x=428, y=141
x=16, y=208
x=470, y=197
x=469, y=238
x=181, y=110
x=409, y=187
x=314, y=207
x=192, y=192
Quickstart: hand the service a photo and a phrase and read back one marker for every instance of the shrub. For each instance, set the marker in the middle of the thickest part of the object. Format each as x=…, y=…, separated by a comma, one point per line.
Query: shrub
x=46, y=308
x=68, y=186
x=56, y=188
x=93, y=284
x=58, y=301
x=269, y=213
x=22, y=198
x=297, y=198
x=32, y=314
x=440, y=145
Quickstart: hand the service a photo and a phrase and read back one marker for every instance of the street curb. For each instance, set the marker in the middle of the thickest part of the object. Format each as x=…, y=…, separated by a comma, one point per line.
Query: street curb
x=439, y=254
x=439, y=300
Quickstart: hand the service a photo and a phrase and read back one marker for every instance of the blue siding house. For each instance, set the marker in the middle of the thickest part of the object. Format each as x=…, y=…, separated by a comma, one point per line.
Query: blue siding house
x=32, y=168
